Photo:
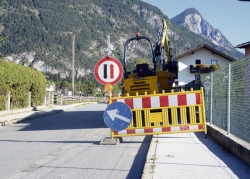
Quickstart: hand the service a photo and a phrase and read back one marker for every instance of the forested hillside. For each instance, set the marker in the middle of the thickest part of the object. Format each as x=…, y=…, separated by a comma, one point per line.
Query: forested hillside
x=39, y=32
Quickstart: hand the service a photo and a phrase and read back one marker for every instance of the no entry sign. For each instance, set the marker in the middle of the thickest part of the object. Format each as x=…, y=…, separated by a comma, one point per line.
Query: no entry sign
x=108, y=71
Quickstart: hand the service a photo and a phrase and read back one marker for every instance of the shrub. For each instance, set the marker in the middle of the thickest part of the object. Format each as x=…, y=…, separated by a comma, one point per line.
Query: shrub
x=214, y=66
x=201, y=66
x=19, y=80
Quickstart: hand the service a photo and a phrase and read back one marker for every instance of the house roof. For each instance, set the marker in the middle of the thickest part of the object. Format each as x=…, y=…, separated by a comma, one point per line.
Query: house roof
x=208, y=48
x=243, y=45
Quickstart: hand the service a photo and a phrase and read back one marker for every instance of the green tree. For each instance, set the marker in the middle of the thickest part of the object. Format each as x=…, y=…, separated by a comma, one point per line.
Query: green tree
x=65, y=84
x=116, y=90
x=84, y=88
x=90, y=86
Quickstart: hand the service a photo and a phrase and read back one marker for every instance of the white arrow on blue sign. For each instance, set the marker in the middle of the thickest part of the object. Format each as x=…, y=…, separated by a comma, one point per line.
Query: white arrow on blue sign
x=117, y=116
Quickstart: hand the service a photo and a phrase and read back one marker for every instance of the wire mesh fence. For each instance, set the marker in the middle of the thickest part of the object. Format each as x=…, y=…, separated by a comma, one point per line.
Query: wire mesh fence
x=227, y=98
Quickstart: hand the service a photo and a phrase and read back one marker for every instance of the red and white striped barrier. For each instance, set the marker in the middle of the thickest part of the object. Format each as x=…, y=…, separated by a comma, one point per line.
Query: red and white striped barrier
x=162, y=101
x=169, y=129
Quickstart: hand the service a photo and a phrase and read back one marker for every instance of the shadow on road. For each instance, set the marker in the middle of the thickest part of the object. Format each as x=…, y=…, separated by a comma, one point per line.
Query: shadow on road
x=66, y=120
x=137, y=167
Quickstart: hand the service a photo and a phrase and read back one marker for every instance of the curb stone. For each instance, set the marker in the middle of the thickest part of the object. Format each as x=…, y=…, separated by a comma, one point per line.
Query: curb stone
x=148, y=172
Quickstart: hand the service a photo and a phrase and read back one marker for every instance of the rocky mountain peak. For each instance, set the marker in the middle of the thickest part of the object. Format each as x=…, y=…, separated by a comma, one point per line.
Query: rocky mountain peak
x=193, y=21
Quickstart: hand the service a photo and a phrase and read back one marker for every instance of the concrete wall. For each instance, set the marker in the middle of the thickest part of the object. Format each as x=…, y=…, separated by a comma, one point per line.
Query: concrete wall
x=236, y=146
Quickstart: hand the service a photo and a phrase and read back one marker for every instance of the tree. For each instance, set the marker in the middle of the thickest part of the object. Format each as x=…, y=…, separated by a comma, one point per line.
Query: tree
x=65, y=84
x=84, y=89
x=91, y=86
x=116, y=90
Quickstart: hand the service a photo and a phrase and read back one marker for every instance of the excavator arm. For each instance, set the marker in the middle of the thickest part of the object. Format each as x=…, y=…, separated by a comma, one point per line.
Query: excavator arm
x=163, y=52
x=163, y=42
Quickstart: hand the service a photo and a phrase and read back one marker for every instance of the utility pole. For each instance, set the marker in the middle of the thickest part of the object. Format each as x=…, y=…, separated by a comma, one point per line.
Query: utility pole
x=73, y=63
x=79, y=88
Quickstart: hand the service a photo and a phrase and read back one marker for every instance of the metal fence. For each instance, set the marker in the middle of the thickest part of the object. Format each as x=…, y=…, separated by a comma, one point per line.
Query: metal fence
x=60, y=99
x=227, y=98
x=83, y=99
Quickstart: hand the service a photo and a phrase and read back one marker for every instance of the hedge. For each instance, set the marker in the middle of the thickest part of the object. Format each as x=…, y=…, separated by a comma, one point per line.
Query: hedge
x=19, y=80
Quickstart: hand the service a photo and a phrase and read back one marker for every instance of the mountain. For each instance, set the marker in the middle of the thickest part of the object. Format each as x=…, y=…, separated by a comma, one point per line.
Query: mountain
x=39, y=32
x=192, y=20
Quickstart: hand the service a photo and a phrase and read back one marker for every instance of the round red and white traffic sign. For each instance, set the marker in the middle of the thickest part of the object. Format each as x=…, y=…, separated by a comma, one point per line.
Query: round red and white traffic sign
x=108, y=71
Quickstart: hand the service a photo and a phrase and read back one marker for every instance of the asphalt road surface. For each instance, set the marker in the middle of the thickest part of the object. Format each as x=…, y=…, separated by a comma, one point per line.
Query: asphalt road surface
x=67, y=145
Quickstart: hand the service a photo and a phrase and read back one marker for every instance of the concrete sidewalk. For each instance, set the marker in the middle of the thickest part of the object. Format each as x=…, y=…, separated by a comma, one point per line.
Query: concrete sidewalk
x=14, y=116
x=191, y=155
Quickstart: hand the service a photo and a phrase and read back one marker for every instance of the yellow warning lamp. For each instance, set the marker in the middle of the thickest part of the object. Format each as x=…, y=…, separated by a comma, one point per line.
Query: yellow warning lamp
x=108, y=87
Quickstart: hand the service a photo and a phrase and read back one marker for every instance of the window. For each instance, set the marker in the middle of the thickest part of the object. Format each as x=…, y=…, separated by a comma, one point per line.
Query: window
x=197, y=61
x=215, y=62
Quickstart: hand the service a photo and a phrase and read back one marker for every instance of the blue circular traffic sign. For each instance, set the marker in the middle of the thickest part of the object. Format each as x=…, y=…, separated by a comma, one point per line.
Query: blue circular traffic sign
x=117, y=116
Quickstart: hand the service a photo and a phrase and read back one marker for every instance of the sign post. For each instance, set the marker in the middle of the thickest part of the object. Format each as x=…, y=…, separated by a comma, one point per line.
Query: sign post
x=117, y=116
x=207, y=86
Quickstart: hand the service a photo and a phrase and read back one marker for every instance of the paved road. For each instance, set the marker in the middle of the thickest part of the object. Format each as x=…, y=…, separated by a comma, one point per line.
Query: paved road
x=66, y=145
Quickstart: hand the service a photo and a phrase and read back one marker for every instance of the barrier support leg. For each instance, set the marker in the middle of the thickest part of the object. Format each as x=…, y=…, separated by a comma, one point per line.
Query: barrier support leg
x=111, y=140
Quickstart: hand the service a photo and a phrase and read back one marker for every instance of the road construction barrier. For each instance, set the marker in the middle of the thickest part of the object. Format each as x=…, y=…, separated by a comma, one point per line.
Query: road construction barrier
x=164, y=113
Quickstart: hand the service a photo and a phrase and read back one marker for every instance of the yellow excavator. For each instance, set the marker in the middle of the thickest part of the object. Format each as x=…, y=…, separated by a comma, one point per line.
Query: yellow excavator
x=160, y=77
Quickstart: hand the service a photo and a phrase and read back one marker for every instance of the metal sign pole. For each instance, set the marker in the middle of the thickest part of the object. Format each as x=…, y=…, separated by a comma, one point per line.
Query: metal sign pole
x=228, y=98
x=108, y=41
x=211, y=101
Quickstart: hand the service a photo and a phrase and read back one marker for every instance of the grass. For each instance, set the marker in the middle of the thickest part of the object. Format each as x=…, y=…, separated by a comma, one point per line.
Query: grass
x=152, y=168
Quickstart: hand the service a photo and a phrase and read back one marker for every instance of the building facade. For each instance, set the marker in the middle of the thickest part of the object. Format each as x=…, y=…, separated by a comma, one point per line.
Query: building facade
x=202, y=59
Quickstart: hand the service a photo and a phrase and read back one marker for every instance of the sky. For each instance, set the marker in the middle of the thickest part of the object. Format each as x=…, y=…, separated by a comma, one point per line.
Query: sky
x=231, y=17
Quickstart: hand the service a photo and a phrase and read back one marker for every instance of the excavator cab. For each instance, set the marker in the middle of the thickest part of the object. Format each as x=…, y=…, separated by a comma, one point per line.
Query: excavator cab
x=142, y=70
